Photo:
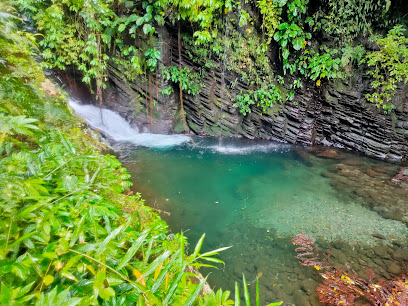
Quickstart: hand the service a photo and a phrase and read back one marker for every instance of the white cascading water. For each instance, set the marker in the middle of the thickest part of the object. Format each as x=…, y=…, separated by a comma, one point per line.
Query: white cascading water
x=117, y=128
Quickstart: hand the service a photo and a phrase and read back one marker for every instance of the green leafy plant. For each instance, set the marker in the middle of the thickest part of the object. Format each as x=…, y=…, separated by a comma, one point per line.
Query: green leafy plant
x=291, y=33
x=202, y=13
x=152, y=58
x=264, y=98
x=390, y=67
x=351, y=55
x=244, y=102
x=343, y=21
x=270, y=11
x=221, y=298
x=318, y=66
x=88, y=35
x=189, y=81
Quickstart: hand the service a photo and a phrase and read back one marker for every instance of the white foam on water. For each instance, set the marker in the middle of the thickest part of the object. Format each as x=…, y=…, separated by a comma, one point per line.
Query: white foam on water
x=117, y=128
x=242, y=150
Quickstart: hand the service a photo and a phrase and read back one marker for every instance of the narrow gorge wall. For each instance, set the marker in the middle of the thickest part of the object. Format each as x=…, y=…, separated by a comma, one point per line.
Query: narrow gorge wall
x=335, y=114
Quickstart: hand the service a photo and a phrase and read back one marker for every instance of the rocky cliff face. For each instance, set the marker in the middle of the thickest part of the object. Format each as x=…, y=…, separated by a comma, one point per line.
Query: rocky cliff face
x=335, y=114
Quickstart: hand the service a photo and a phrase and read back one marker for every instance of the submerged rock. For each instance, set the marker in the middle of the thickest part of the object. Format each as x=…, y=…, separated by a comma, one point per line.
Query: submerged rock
x=380, y=251
x=308, y=286
x=329, y=153
x=394, y=268
x=372, y=172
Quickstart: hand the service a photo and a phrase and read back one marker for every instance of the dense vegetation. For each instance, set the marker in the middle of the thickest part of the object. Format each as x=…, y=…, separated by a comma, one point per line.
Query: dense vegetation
x=313, y=41
x=71, y=232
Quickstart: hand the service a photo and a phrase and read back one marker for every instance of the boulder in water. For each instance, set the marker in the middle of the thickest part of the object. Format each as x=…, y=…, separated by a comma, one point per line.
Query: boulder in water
x=329, y=153
x=394, y=268
x=372, y=172
x=401, y=177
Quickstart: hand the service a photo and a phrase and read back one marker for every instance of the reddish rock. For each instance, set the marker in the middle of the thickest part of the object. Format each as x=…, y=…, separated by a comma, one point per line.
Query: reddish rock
x=329, y=153
x=50, y=88
x=401, y=177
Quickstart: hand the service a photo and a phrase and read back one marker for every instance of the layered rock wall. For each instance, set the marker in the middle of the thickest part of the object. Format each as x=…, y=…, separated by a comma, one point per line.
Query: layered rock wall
x=335, y=114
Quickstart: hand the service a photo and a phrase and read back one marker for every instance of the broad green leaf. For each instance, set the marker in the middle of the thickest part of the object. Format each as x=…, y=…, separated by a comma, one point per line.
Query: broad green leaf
x=48, y=279
x=285, y=53
x=298, y=43
x=121, y=27
x=147, y=29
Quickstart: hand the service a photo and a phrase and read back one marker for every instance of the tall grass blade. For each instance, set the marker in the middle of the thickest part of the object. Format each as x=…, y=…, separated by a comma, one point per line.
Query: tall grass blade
x=197, y=290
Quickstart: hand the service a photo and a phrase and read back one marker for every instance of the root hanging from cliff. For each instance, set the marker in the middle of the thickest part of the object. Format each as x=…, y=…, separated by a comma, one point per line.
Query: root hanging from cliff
x=181, y=82
x=147, y=106
x=99, y=78
x=181, y=87
x=151, y=100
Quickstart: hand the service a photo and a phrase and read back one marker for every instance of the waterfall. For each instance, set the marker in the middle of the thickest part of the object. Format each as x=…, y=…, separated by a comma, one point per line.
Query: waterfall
x=115, y=127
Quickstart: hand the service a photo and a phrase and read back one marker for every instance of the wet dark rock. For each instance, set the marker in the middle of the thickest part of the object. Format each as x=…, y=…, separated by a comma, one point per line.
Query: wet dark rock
x=386, y=275
x=250, y=268
x=289, y=288
x=394, y=268
x=308, y=286
x=301, y=298
x=380, y=251
x=340, y=245
x=394, y=214
x=304, y=156
x=374, y=194
x=333, y=168
x=341, y=257
x=400, y=254
x=314, y=300
x=397, y=244
x=362, y=193
x=282, y=296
